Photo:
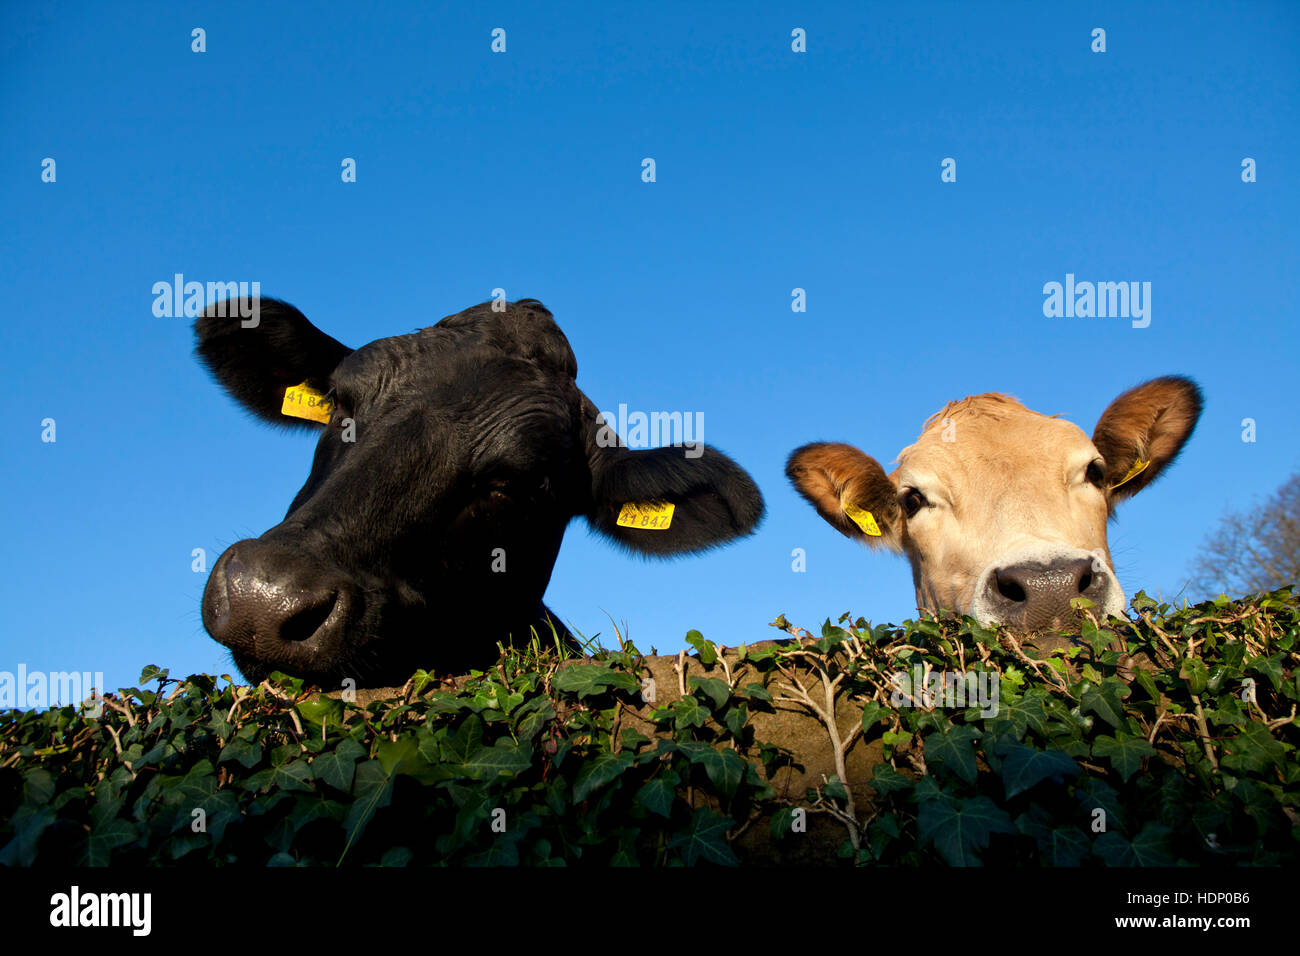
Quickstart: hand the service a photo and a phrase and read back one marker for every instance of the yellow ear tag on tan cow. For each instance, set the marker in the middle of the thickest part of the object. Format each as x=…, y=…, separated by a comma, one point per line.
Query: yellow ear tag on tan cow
x=1139, y=466
x=647, y=515
x=303, y=401
x=863, y=519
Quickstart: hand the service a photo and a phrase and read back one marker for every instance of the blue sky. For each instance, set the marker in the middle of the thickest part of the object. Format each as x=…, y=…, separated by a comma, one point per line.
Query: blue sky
x=522, y=170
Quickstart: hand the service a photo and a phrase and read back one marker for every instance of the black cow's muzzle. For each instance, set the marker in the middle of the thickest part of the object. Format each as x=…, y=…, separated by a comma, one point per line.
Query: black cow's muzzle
x=274, y=608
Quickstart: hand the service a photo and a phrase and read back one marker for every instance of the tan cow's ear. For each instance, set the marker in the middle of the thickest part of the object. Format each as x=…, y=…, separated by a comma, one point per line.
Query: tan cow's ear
x=1143, y=430
x=850, y=490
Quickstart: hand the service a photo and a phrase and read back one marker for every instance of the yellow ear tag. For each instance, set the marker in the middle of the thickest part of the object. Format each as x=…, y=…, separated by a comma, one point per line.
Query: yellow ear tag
x=302, y=401
x=863, y=519
x=1139, y=466
x=647, y=515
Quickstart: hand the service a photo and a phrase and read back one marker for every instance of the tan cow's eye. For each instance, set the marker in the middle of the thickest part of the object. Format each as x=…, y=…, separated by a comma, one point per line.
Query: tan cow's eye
x=1096, y=473
x=911, y=501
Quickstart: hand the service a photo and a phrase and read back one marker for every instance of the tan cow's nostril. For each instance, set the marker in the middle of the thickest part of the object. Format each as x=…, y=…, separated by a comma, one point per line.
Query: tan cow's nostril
x=1009, y=587
x=1036, y=594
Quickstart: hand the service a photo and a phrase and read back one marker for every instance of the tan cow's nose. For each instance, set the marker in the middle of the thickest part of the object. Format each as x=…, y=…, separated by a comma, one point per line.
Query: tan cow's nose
x=1034, y=596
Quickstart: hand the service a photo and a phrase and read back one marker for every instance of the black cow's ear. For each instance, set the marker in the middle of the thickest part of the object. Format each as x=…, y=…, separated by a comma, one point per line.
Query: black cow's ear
x=258, y=349
x=665, y=501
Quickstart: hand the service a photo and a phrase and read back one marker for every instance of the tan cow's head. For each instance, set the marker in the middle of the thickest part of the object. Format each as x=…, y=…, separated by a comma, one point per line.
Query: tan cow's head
x=1001, y=510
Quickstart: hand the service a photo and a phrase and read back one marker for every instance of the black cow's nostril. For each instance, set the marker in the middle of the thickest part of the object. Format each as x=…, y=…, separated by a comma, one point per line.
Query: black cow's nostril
x=1085, y=581
x=302, y=624
x=272, y=606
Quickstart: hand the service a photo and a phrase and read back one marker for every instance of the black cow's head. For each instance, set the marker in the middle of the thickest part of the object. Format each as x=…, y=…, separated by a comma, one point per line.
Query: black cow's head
x=449, y=463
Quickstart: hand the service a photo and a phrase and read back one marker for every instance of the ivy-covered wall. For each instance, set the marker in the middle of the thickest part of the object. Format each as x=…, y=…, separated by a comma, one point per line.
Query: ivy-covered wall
x=1170, y=741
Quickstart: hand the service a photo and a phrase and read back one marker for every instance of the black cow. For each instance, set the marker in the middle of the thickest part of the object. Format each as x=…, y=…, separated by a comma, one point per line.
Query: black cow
x=449, y=463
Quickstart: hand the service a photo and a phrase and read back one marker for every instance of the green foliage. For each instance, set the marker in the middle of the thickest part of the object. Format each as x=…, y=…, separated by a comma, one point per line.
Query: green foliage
x=525, y=763
x=1171, y=741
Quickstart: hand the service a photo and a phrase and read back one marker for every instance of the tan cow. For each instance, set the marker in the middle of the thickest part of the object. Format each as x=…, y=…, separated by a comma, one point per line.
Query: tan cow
x=1001, y=510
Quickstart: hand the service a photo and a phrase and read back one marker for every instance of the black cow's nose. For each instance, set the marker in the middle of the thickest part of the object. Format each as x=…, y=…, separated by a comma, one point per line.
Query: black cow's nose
x=1034, y=596
x=268, y=604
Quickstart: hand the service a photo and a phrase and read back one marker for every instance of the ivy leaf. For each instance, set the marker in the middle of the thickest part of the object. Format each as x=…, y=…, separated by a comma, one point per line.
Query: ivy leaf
x=396, y=856
x=688, y=712
x=598, y=771
x=1125, y=753
x=1024, y=767
x=1149, y=848
x=714, y=688
x=872, y=712
x=372, y=790
x=38, y=786
x=1270, y=667
x=834, y=789
x=294, y=775
x=1147, y=683
x=503, y=757
x=706, y=649
x=952, y=749
x=501, y=852
x=735, y=719
x=890, y=737
x=1058, y=846
x=831, y=636
x=885, y=779
x=1022, y=713
x=220, y=809
x=1253, y=750
x=106, y=838
x=308, y=809
x=632, y=739
x=1064, y=846
x=1105, y=703
x=1094, y=794
x=28, y=823
x=725, y=768
x=658, y=794
x=1257, y=803
x=705, y=839
x=587, y=679
x=336, y=767
x=960, y=831
x=532, y=723
x=244, y=752
x=1194, y=671
x=321, y=710
x=782, y=823
x=1097, y=638
x=457, y=749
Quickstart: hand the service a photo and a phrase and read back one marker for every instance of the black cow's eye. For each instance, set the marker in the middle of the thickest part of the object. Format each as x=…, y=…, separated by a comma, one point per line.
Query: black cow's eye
x=1096, y=474
x=497, y=488
x=911, y=501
